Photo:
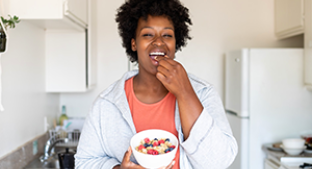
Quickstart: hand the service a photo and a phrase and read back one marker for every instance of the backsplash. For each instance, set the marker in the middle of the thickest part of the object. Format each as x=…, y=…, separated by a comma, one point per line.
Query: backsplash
x=20, y=157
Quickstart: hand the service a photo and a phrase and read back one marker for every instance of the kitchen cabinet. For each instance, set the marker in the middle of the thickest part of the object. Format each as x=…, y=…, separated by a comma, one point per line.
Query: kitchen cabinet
x=289, y=18
x=270, y=164
x=308, y=45
x=69, y=67
x=69, y=63
x=52, y=14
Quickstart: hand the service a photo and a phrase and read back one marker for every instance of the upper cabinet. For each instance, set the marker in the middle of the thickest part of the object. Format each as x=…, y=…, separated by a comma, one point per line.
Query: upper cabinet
x=289, y=18
x=308, y=44
x=70, y=65
x=294, y=17
x=52, y=14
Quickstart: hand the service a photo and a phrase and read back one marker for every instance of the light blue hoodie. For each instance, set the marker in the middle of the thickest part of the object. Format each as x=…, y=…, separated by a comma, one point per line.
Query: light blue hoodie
x=109, y=127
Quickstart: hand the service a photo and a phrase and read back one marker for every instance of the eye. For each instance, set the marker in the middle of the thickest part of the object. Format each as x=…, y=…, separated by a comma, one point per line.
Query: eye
x=147, y=35
x=167, y=35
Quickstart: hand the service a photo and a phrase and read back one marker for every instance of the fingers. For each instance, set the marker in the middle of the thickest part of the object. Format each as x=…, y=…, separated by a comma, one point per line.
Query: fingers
x=127, y=155
x=161, y=77
x=165, y=65
x=171, y=165
x=167, y=60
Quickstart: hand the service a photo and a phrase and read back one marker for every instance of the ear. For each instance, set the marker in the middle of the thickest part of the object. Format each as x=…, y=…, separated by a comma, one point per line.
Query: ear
x=133, y=45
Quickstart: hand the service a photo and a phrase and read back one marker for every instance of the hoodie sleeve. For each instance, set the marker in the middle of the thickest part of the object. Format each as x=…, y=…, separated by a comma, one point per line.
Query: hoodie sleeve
x=91, y=152
x=210, y=143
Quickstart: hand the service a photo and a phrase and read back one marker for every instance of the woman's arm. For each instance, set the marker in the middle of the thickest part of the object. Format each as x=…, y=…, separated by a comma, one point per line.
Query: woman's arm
x=174, y=77
x=207, y=133
x=210, y=142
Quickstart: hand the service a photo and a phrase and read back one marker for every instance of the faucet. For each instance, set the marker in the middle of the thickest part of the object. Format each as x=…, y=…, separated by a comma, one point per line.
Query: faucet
x=49, y=146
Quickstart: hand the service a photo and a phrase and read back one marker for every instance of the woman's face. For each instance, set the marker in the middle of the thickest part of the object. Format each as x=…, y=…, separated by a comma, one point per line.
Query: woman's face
x=154, y=37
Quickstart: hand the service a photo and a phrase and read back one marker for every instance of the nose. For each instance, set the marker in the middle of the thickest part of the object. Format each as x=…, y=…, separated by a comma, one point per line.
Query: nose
x=158, y=41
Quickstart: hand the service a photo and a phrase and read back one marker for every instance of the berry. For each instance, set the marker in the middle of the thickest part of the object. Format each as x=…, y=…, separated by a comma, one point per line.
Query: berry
x=147, y=145
x=150, y=151
x=141, y=147
x=155, y=152
x=161, y=142
x=167, y=140
x=167, y=150
x=146, y=140
x=156, y=139
x=155, y=143
x=173, y=146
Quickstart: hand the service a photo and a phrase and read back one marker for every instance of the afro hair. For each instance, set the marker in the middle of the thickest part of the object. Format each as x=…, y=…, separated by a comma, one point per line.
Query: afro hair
x=130, y=12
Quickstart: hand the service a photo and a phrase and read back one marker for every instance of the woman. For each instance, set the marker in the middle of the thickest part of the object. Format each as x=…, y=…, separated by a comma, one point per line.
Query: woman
x=160, y=95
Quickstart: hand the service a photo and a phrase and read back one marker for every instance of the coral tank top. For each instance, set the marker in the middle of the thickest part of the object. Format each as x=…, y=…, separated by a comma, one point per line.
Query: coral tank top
x=158, y=115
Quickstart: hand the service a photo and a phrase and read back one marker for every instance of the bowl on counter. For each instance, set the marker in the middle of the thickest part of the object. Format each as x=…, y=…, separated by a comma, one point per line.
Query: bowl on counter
x=293, y=143
x=153, y=161
x=293, y=151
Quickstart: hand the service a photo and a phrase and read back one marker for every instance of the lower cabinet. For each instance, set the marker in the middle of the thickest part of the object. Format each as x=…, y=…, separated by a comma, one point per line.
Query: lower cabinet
x=270, y=164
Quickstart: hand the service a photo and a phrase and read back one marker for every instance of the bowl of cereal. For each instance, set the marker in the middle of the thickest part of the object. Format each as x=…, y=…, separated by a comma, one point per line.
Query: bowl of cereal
x=154, y=148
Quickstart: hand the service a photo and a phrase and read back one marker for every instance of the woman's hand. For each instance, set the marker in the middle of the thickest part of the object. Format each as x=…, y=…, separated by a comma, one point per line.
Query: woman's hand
x=173, y=76
x=127, y=164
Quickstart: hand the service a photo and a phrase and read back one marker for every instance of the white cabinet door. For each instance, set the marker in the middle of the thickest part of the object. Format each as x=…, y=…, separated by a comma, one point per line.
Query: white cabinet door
x=65, y=61
x=78, y=9
x=289, y=18
x=52, y=14
x=36, y=9
x=270, y=164
x=308, y=44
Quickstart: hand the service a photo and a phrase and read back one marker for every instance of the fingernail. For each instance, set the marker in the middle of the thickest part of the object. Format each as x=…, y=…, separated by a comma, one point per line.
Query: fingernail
x=155, y=57
x=129, y=149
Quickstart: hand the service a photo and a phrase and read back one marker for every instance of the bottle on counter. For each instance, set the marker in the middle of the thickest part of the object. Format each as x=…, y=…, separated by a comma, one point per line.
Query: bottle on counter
x=63, y=116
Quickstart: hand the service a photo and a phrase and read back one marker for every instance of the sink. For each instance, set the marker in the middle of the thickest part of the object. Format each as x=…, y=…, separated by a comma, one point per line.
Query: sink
x=55, y=145
x=52, y=162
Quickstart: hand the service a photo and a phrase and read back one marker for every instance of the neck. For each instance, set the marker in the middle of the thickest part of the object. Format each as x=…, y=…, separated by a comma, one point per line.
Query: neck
x=148, y=83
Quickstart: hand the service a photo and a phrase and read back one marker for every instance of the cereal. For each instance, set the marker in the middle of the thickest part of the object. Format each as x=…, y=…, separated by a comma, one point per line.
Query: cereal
x=155, y=146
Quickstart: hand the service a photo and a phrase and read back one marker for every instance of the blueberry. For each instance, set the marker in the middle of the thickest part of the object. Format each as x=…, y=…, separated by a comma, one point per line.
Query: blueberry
x=146, y=145
x=167, y=150
x=170, y=149
x=156, y=139
x=167, y=140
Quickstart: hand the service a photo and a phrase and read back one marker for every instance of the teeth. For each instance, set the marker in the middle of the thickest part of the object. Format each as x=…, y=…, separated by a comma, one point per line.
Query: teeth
x=157, y=53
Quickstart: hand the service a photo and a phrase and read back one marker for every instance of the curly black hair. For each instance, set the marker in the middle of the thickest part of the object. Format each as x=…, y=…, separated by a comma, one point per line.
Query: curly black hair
x=130, y=12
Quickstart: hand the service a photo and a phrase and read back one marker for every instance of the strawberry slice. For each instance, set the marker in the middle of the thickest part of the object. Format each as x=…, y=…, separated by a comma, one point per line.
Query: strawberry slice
x=146, y=140
x=141, y=147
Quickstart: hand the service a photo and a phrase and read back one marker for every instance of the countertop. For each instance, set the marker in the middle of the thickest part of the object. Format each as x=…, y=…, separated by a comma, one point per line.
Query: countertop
x=286, y=161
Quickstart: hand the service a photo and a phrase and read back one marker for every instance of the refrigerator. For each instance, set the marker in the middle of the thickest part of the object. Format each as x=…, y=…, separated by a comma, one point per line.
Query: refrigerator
x=265, y=100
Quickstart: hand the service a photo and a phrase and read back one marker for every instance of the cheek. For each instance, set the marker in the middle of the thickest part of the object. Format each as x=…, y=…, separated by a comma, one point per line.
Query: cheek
x=142, y=45
x=172, y=47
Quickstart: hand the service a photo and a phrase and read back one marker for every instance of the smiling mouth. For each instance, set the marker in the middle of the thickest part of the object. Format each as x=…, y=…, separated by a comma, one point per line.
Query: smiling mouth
x=153, y=55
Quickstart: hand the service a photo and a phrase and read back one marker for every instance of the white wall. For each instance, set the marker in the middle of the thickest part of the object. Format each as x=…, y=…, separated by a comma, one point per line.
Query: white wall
x=218, y=26
x=23, y=88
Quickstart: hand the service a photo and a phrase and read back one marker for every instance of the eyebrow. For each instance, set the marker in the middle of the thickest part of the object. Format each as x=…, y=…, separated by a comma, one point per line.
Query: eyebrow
x=153, y=28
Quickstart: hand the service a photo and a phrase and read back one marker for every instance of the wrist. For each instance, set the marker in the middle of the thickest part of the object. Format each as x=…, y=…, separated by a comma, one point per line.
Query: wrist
x=116, y=167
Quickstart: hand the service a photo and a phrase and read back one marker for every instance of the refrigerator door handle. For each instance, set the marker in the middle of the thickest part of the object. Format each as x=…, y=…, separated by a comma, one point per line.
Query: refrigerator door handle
x=231, y=112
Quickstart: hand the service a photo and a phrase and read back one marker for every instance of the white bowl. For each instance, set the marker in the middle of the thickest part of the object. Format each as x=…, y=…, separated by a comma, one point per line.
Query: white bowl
x=153, y=161
x=293, y=151
x=293, y=143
